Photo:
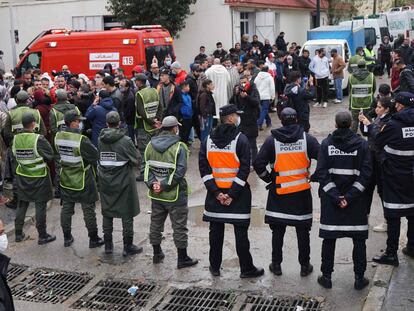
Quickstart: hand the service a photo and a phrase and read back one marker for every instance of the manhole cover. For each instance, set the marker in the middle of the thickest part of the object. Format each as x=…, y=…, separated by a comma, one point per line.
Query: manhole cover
x=53, y=286
x=257, y=303
x=196, y=299
x=113, y=295
x=14, y=271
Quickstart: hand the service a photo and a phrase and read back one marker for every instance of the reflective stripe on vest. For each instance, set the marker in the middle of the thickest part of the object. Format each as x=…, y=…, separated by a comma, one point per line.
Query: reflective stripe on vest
x=398, y=205
x=30, y=163
x=151, y=101
x=404, y=153
x=60, y=118
x=72, y=173
x=361, y=92
x=341, y=171
x=288, y=216
x=163, y=166
x=344, y=228
x=291, y=166
x=224, y=163
x=16, y=115
x=109, y=158
x=226, y=215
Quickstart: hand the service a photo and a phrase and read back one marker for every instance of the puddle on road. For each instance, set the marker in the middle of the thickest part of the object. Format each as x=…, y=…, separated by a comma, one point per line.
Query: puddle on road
x=195, y=216
x=115, y=259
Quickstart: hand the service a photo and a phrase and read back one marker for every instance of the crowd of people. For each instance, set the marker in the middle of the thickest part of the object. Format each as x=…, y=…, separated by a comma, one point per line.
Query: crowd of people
x=59, y=131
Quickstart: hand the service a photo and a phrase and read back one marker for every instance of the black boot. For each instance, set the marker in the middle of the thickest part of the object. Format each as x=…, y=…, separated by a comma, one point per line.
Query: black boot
x=387, y=259
x=158, y=254
x=19, y=236
x=67, y=238
x=325, y=281
x=408, y=252
x=214, y=272
x=360, y=282
x=184, y=260
x=45, y=238
x=256, y=272
x=94, y=240
x=275, y=268
x=130, y=248
x=109, y=245
x=305, y=270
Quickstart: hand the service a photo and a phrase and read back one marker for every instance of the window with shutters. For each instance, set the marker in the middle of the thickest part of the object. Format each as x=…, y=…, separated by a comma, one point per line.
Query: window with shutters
x=244, y=23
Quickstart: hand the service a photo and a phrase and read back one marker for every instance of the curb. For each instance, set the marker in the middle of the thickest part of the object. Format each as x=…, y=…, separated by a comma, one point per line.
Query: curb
x=379, y=288
x=29, y=219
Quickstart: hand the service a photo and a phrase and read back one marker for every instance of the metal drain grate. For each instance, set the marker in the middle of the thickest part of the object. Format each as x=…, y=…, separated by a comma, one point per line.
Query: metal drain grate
x=113, y=295
x=195, y=299
x=52, y=286
x=257, y=303
x=14, y=271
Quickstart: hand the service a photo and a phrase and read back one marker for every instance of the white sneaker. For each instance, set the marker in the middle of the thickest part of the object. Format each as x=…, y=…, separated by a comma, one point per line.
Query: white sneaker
x=317, y=105
x=381, y=228
x=324, y=105
x=338, y=101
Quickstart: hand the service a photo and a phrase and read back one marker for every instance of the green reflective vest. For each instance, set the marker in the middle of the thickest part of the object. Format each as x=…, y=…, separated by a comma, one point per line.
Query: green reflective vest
x=29, y=162
x=151, y=101
x=353, y=62
x=369, y=54
x=60, y=118
x=361, y=92
x=163, y=166
x=16, y=115
x=72, y=172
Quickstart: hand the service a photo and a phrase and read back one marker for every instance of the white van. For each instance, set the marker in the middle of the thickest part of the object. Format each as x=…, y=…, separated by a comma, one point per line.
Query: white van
x=375, y=30
x=328, y=44
x=401, y=22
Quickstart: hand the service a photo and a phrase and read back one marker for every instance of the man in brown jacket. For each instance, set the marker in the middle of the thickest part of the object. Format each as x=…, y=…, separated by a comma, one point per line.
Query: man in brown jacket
x=338, y=66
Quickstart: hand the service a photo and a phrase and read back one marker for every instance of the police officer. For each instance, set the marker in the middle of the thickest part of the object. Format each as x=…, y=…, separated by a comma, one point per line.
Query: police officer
x=148, y=115
x=57, y=123
x=57, y=113
x=396, y=140
x=289, y=151
x=31, y=152
x=77, y=180
x=224, y=163
x=13, y=125
x=361, y=95
x=165, y=168
x=353, y=61
x=344, y=171
x=118, y=159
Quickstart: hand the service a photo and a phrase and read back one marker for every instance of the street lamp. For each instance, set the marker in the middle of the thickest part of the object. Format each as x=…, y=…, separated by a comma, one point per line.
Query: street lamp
x=12, y=35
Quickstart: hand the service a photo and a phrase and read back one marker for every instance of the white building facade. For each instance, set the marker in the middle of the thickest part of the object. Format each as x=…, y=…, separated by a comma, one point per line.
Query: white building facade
x=212, y=21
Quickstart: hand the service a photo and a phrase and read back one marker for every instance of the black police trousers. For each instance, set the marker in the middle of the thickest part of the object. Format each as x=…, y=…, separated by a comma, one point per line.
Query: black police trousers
x=242, y=246
x=359, y=256
x=393, y=232
x=302, y=234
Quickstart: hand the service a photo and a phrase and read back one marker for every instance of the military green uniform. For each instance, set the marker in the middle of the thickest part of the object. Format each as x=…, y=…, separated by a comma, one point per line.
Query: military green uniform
x=353, y=62
x=118, y=162
x=148, y=109
x=32, y=177
x=56, y=116
x=361, y=95
x=166, y=161
x=77, y=179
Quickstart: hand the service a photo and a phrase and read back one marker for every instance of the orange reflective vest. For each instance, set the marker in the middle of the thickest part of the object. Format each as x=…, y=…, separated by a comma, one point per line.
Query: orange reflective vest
x=291, y=166
x=224, y=163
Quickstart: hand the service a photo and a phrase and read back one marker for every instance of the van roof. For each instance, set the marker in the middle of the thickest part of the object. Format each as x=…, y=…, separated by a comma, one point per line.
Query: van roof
x=335, y=28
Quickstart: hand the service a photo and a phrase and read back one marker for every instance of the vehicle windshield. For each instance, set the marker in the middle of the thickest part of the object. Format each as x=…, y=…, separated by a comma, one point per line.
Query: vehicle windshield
x=328, y=47
x=370, y=36
x=160, y=52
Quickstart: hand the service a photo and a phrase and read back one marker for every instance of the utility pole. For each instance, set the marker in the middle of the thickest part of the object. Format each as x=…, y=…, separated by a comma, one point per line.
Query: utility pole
x=12, y=38
x=374, y=9
x=318, y=13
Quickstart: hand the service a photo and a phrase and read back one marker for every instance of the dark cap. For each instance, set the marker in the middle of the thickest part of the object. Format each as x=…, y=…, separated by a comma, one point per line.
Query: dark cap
x=104, y=94
x=165, y=72
x=288, y=116
x=28, y=118
x=228, y=110
x=405, y=98
x=22, y=96
x=73, y=115
x=113, y=117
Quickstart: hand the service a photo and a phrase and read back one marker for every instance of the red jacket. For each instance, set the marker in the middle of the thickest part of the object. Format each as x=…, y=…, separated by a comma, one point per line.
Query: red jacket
x=180, y=78
x=395, y=78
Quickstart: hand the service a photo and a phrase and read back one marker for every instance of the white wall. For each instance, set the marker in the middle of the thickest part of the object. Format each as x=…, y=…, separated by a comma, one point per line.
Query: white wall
x=210, y=23
x=32, y=19
x=295, y=24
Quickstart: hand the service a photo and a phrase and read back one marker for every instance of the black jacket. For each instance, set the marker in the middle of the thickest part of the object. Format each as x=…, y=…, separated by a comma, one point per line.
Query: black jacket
x=294, y=208
x=299, y=98
x=396, y=142
x=201, y=57
x=128, y=101
x=6, y=299
x=304, y=66
x=220, y=54
x=406, y=53
x=250, y=105
x=406, y=81
x=371, y=131
x=385, y=51
x=153, y=81
x=281, y=44
x=221, y=137
x=344, y=169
